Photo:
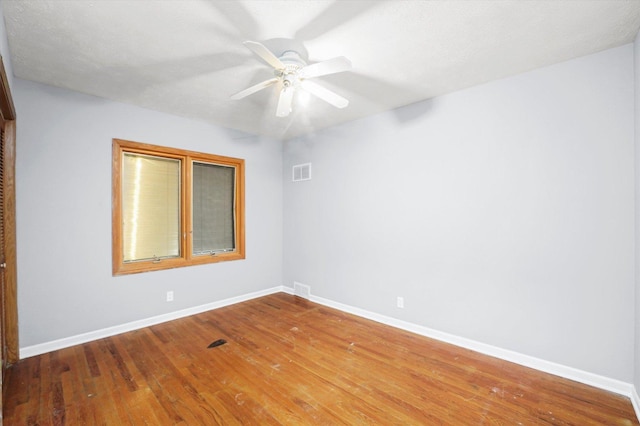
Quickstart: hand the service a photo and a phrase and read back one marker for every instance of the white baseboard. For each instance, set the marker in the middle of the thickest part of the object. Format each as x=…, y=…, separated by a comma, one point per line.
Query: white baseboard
x=571, y=373
x=635, y=400
x=66, y=342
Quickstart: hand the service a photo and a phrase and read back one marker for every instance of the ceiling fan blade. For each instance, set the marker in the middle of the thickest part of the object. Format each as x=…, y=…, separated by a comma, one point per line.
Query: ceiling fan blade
x=264, y=53
x=285, y=101
x=330, y=66
x=324, y=94
x=253, y=89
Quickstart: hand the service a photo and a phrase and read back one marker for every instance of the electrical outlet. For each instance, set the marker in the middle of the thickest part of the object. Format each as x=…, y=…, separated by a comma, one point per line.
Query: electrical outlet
x=170, y=296
x=400, y=302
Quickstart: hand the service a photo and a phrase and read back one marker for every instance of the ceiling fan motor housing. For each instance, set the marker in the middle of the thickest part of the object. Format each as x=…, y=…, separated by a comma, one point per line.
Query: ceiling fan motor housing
x=292, y=64
x=293, y=58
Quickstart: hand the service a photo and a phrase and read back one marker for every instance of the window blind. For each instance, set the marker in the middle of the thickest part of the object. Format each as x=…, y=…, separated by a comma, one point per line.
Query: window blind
x=213, y=208
x=150, y=207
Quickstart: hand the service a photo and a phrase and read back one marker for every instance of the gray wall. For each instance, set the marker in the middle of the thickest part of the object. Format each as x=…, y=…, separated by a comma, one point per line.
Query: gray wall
x=637, y=211
x=64, y=215
x=503, y=213
x=4, y=48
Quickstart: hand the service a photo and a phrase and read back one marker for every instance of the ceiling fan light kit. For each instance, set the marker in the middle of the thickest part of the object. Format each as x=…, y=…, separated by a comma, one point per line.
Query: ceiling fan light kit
x=293, y=73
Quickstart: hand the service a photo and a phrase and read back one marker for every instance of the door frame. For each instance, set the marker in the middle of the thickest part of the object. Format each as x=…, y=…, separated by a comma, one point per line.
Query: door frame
x=10, y=300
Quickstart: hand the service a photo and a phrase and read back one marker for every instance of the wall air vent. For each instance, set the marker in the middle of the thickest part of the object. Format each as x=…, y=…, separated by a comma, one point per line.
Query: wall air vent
x=301, y=290
x=302, y=172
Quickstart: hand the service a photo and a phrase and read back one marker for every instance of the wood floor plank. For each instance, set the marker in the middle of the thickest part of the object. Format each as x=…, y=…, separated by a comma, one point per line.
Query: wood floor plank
x=289, y=361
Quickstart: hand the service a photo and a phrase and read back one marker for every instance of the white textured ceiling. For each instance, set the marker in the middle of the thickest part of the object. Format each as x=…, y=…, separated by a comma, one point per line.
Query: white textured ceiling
x=186, y=57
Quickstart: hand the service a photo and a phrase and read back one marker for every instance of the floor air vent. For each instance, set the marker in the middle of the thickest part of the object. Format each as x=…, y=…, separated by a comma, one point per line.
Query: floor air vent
x=217, y=343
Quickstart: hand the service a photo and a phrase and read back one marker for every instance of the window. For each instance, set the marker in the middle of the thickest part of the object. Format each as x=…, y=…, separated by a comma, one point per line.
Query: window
x=174, y=208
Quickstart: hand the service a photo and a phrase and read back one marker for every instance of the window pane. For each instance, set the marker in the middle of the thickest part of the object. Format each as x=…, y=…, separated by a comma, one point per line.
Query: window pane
x=213, y=208
x=150, y=207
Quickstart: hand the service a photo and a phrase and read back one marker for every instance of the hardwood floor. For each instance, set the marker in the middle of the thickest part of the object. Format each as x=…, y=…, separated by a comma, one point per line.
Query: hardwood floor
x=289, y=361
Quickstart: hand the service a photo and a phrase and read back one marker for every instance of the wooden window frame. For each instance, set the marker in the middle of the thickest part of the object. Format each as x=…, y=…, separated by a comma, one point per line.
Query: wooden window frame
x=186, y=257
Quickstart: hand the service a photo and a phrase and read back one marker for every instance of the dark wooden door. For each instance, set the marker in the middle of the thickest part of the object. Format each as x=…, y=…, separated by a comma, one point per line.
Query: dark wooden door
x=8, y=264
x=3, y=264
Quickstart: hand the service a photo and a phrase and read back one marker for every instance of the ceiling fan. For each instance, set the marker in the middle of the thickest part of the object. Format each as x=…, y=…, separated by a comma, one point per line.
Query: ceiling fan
x=293, y=73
